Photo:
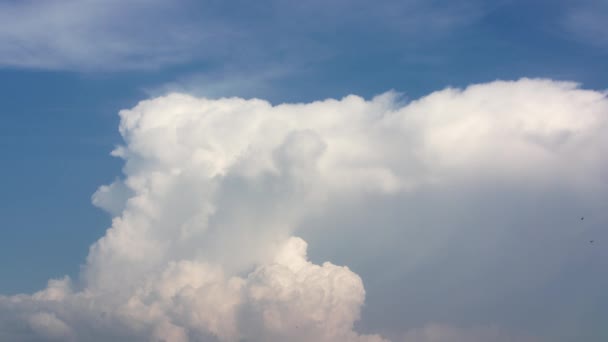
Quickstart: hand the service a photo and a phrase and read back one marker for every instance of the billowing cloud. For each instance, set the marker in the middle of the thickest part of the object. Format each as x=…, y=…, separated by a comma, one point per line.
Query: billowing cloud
x=286, y=298
x=203, y=240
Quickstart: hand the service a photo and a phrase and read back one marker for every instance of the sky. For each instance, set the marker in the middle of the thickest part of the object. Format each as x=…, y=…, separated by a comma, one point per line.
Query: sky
x=412, y=171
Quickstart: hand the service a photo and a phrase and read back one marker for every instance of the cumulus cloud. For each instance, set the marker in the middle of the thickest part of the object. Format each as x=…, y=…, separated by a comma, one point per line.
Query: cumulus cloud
x=287, y=298
x=203, y=240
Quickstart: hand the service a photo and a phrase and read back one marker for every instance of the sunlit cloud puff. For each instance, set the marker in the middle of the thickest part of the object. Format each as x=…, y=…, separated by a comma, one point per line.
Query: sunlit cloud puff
x=202, y=244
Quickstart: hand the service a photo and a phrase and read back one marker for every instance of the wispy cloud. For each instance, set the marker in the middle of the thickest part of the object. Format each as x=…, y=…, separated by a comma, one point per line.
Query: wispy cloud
x=118, y=35
x=92, y=34
x=227, y=82
x=586, y=21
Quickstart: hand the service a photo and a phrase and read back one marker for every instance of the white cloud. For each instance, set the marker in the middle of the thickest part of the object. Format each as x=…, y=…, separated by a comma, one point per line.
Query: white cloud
x=48, y=326
x=94, y=35
x=287, y=298
x=202, y=242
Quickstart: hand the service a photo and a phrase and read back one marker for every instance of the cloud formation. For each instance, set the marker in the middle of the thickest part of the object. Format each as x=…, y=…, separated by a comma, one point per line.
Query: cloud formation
x=203, y=240
x=94, y=35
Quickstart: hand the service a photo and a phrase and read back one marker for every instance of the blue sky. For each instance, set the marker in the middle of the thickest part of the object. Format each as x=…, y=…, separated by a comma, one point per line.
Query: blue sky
x=67, y=68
